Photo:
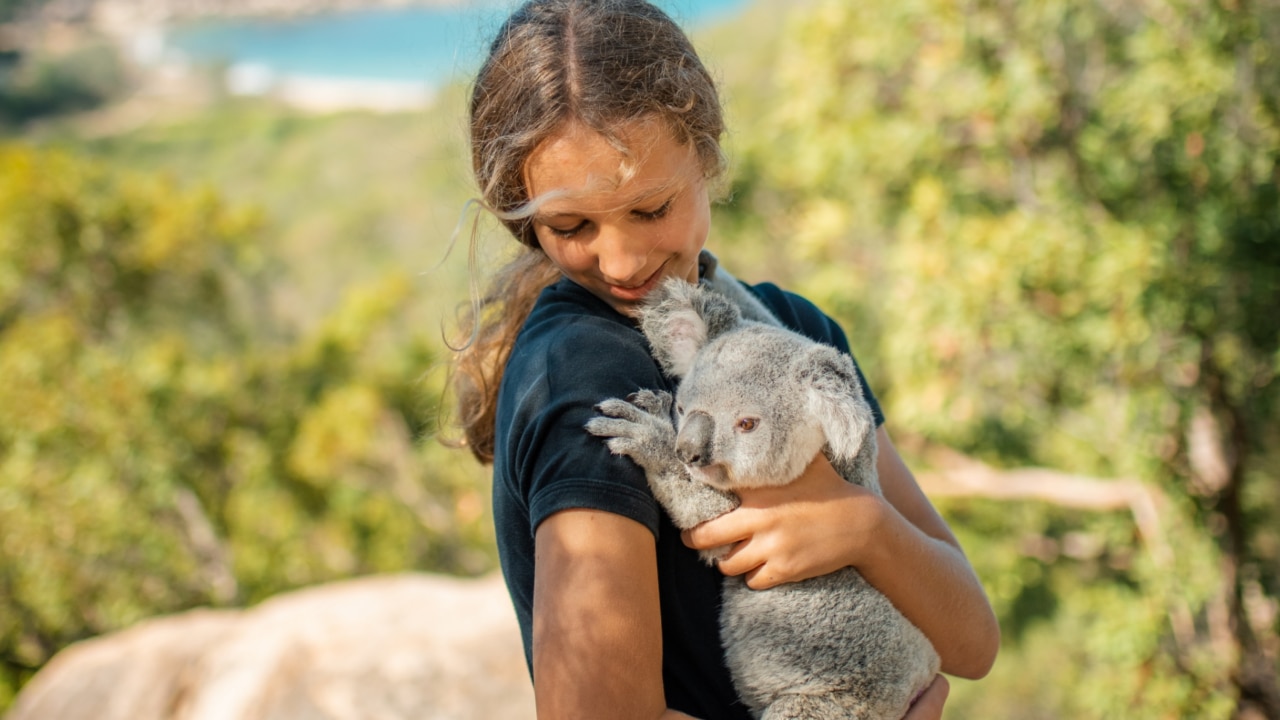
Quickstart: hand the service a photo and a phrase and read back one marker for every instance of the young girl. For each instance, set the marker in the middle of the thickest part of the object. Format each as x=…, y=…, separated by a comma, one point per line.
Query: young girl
x=595, y=135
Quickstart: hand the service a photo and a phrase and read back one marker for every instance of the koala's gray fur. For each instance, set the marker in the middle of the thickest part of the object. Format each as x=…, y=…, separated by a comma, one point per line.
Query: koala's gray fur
x=829, y=647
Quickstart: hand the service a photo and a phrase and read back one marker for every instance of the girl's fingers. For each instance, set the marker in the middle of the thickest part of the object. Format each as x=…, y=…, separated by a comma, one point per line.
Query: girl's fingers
x=761, y=578
x=739, y=560
x=724, y=530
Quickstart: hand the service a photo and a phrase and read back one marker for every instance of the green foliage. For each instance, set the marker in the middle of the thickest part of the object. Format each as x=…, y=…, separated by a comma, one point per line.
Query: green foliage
x=42, y=86
x=1054, y=232
x=163, y=446
x=351, y=196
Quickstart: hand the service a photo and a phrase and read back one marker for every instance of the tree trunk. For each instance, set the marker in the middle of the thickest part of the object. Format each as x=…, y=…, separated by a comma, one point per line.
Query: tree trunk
x=1255, y=671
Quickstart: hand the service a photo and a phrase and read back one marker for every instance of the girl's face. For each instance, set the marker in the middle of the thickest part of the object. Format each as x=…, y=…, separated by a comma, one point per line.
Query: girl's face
x=618, y=223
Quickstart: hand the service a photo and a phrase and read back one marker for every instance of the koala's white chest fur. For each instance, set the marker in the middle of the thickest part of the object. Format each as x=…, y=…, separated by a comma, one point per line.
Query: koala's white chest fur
x=754, y=405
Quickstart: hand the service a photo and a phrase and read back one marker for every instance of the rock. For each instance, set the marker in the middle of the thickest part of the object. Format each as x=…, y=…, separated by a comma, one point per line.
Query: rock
x=135, y=673
x=383, y=647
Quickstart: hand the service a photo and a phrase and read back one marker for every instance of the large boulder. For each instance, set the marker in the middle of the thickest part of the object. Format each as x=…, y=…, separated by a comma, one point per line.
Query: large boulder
x=383, y=647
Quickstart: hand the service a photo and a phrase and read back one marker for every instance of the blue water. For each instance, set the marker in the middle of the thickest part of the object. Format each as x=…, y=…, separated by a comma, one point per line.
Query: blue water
x=421, y=45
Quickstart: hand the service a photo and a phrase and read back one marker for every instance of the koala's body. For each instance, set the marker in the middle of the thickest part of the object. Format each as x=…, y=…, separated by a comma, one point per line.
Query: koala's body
x=755, y=404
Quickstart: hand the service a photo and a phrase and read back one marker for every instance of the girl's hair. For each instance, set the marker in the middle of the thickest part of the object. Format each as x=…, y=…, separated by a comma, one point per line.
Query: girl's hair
x=604, y=64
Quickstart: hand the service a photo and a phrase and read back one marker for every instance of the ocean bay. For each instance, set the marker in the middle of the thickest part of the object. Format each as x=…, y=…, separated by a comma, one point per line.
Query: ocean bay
x=379, y=57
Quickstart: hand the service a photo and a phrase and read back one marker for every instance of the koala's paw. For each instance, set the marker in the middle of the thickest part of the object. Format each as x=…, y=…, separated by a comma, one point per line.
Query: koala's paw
x=654, y=402
x=640, y=429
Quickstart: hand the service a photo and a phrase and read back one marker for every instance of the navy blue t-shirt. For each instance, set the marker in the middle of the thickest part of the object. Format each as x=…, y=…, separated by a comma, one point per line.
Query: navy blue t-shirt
x=574, y=351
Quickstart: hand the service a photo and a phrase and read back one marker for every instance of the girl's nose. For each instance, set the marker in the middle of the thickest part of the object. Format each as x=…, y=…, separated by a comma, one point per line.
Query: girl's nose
x=622, y=260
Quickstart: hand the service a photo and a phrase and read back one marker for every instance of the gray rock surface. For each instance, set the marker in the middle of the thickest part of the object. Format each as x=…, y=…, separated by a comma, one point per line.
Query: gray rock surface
x=375, y=648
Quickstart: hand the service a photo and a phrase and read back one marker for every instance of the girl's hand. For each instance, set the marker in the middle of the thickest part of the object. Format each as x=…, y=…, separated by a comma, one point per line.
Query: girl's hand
x=812, y=526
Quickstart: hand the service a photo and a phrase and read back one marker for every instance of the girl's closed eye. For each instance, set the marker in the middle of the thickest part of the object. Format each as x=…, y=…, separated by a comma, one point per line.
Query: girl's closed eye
x=566, y=232
x=655, y=214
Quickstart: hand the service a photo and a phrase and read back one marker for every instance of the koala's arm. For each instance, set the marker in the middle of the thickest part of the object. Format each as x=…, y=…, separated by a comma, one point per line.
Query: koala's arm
x=640, y=428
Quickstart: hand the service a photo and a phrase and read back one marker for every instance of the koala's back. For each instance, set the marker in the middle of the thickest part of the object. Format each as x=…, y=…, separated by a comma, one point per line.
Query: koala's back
x=834, y=640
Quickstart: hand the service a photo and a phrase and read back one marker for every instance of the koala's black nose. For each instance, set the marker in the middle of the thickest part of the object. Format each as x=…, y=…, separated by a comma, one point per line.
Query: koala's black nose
x=693, y=456
x=693, y=443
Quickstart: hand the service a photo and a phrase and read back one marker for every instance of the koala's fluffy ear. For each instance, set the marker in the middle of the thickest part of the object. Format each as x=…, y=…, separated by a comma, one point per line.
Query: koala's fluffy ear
x=679, y=318
x=835, y=398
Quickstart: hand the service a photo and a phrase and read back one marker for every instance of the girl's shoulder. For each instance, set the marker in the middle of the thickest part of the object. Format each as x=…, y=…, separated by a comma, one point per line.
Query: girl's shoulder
x=571, y=323
x=798, y=313
x=793, y=311
x=577, y=346
x=568, y=358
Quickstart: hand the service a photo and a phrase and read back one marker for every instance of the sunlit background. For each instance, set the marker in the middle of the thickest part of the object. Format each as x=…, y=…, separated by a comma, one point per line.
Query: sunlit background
x=1051, y=230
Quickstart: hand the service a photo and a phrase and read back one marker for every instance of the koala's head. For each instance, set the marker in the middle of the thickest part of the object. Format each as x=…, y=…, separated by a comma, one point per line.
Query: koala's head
x=755, y=402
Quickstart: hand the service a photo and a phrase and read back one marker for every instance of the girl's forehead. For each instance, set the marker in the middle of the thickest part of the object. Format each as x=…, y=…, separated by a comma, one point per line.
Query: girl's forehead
x=578, y=161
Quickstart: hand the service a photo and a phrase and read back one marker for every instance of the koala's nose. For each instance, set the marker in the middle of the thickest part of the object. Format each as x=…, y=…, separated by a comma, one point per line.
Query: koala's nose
x=693, y=443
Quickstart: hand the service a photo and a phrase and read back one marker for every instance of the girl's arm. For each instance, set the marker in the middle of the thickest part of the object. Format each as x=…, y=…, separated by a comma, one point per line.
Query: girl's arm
x=899, y=543
x=597, y=632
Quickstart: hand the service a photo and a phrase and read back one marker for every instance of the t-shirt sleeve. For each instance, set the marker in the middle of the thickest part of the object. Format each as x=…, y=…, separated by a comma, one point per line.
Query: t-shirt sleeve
x=802, y=316
x=562, y=465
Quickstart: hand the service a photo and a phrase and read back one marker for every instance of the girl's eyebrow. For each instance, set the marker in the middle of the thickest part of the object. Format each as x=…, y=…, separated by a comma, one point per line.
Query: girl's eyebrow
x=668, y=191
x=543, y=216
x=671, y=186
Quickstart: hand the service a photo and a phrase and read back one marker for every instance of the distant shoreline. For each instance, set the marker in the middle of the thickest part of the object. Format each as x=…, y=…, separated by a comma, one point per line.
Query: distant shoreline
x=144, y=32
x=322, y=94
x=243, y=59
x=117, y=16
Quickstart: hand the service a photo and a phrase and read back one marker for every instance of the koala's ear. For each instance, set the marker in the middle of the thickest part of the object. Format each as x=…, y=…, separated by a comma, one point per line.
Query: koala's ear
x=835, y=399
x=680, y=318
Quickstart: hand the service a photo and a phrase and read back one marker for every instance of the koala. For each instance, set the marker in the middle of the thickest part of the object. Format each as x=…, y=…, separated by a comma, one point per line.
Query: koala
x=755, y=403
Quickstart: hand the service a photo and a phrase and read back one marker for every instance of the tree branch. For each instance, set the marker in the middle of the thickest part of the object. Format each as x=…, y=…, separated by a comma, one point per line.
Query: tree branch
x=954, y=474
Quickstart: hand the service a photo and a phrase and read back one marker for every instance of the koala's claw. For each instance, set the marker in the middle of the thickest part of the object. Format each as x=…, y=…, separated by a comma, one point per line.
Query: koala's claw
x=622, y=445
x=620, y=409
x=610, y=427
x=634, y=430
x=654, y=402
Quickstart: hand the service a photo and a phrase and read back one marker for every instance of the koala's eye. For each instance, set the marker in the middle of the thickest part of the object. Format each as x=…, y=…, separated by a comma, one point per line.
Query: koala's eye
x=747, y=424
x=679, y=409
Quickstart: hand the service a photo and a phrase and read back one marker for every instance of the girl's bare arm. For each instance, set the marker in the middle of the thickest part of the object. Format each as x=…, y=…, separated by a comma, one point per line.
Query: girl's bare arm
x=597, y=633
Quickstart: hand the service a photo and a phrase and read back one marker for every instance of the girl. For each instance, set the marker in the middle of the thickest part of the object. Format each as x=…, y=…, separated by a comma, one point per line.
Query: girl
x=595, y=134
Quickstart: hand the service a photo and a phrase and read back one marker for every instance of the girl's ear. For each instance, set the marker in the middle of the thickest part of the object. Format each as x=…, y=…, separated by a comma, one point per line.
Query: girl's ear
x=680, y=318
x=835, y=399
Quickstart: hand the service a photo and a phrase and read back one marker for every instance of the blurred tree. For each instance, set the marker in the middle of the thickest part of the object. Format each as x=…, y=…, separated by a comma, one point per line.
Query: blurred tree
x=1056, y=228
x=163, y=445
x=43, y=85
